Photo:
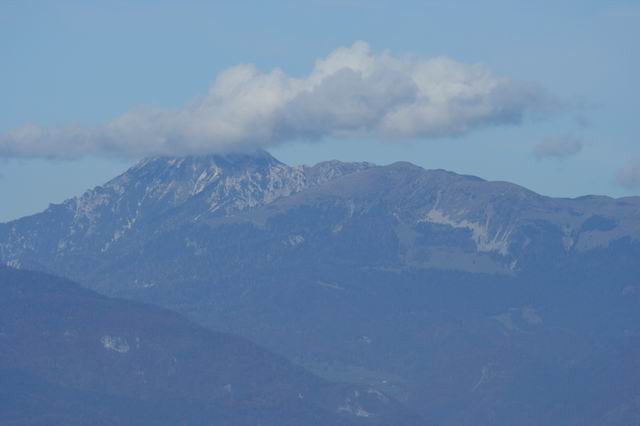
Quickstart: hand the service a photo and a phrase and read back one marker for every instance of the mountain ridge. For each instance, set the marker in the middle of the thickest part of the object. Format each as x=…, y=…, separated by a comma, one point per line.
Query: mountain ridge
x=482, y=226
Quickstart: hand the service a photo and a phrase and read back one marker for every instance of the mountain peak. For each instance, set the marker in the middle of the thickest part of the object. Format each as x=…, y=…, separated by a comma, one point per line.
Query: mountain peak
x=252, y=159
x=158, y=190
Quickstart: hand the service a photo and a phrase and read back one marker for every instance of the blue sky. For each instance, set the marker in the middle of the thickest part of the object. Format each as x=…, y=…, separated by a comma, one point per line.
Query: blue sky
x=83, y=63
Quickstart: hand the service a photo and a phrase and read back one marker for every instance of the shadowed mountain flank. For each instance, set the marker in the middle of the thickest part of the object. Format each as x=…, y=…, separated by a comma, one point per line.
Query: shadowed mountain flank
x=70, y=356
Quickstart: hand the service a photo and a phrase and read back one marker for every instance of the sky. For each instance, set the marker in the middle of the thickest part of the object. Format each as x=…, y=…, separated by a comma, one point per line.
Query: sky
x=543, y=94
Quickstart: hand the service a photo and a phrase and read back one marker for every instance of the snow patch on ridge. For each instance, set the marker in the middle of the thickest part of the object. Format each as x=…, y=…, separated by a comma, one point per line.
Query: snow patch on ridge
x=115, y=344
x=295, y=240
x=480, y=232
x=14, y=263
x=205, y=179
x=119, y=233
x=352, y=406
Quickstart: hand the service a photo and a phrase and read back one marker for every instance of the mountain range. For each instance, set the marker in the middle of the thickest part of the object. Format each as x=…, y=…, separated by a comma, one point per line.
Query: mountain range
x=469, y=301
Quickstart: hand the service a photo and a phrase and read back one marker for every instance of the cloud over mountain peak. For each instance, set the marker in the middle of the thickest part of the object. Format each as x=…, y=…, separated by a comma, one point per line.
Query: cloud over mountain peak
x=353, y=92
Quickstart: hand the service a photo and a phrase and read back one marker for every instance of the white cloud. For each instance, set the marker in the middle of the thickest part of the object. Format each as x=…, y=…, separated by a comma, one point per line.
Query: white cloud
x=559, y=147
x=353, y=92
x=629, y=176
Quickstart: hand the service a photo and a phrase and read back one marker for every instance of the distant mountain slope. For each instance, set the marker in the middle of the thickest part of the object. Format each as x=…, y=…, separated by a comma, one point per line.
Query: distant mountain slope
x=476, y=302
x=70, y=356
